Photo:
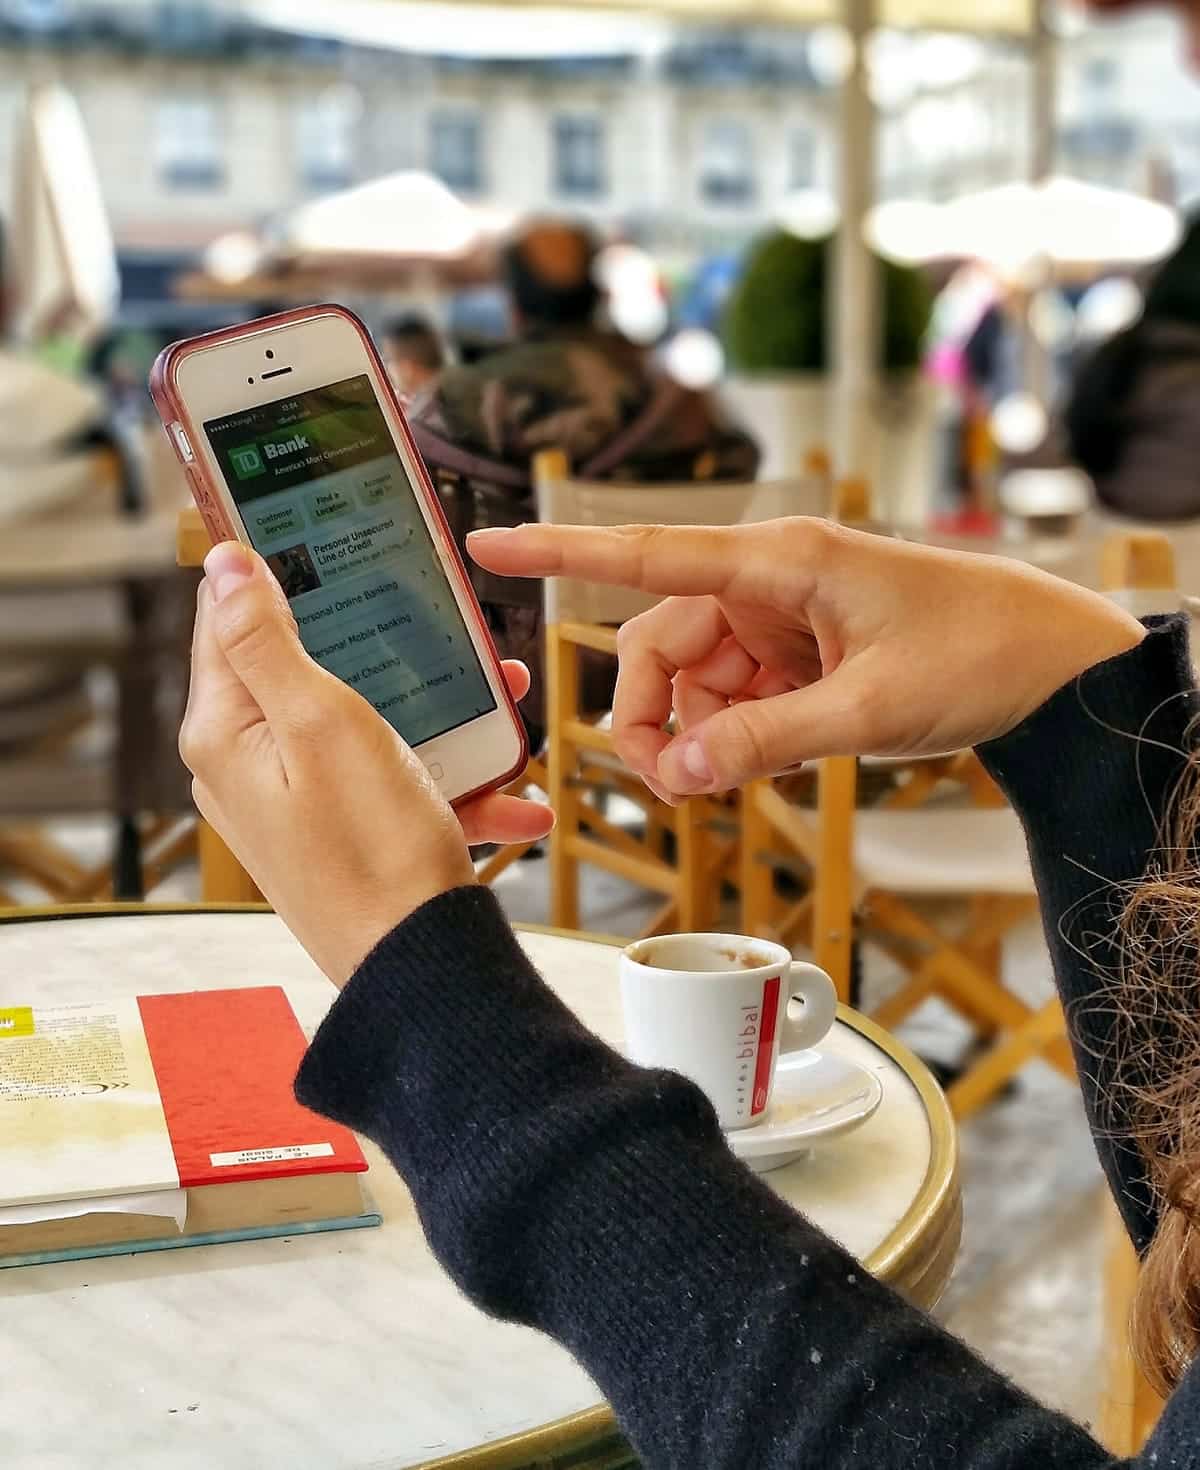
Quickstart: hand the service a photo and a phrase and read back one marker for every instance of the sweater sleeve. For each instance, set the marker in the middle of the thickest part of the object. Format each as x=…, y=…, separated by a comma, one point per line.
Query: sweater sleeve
x=562, y=1187
x=1092, y=775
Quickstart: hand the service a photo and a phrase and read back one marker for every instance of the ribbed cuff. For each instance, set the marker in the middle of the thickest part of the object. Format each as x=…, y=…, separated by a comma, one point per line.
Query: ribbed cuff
x=427, y=982
x=1137, y=706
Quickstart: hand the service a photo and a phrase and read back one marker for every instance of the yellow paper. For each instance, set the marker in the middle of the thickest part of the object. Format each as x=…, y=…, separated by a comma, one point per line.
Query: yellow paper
x=16, y=1021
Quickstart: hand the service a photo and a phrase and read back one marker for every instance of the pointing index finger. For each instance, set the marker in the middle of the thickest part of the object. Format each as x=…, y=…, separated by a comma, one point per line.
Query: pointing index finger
x=673, y=561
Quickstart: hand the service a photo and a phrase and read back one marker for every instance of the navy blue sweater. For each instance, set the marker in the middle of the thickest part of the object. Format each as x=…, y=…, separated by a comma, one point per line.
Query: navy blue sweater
x=567, y=1189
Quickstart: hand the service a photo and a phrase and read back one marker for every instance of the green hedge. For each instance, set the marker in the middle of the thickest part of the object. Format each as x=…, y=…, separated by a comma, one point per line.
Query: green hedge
x=775, y=318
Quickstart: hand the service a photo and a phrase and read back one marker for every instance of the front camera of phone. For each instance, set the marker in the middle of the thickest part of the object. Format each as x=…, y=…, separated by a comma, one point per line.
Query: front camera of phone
x=250, y=380
x=270, y=354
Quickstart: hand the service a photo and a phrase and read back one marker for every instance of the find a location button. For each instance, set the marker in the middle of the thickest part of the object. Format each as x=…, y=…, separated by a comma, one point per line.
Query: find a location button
x=324, y=504
x=282, y=520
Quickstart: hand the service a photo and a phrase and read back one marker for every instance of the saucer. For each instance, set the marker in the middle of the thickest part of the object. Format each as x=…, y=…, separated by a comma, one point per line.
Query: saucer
x=818, y=1095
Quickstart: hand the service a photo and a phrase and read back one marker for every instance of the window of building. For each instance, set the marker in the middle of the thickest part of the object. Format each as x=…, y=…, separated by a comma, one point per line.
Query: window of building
x=456, y=150
x=326, y=138
x=187, y=24
x=727, y=163
x=39, y=15
x=802, y=159
x=188, y=143
x=580, y=165
x=1100, y=73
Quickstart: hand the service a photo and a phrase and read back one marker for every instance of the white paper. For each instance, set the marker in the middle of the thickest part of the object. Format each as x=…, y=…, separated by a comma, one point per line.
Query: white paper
x=170, y=1204
x=81, y=1113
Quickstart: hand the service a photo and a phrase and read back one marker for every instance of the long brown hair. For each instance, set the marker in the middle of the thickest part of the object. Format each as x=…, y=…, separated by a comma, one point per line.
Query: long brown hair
x=1157, y=1035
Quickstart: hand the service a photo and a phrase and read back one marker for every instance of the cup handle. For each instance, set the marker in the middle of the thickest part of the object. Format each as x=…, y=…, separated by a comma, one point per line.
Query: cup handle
x=814, y=987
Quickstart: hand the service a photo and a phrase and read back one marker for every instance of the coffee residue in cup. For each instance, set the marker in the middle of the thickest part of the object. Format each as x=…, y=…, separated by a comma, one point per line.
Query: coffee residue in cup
x=746, y=959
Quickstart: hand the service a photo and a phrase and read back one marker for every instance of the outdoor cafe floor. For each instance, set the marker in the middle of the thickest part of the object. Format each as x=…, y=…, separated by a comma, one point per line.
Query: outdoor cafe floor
x=1026, y=1290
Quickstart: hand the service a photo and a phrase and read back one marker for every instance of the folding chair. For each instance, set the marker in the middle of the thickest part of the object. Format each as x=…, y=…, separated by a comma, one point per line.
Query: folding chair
x=581, y=758
x=74, y=604
x=870, y=865
x=1137, y=570
x=872, y=870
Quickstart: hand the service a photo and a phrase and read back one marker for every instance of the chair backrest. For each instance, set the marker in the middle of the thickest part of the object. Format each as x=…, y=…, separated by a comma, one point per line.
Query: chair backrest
x=564, y=501
x=1137, y=571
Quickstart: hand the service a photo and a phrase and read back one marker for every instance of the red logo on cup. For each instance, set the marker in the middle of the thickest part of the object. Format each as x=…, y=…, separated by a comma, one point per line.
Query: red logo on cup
x=766, y=1045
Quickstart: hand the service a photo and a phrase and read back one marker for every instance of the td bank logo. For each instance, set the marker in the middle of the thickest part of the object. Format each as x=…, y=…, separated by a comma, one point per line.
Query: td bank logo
x=246, y=461
x=282, y=448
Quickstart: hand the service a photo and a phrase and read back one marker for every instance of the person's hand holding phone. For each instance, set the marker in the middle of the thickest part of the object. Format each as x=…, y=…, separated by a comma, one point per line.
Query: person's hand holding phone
x=789, y=640
x=322, y=803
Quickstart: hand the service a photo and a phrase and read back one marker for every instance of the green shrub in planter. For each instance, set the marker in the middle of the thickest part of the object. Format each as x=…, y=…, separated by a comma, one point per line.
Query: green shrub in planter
x=775, y=320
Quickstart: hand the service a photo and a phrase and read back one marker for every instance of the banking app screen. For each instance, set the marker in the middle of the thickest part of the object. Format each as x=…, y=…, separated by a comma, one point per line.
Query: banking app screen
x=327, y=502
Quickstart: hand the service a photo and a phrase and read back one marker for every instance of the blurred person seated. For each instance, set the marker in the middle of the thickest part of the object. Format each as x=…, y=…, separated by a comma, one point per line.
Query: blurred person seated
x=566, y=383
x=1133, y=419
x=413, y=353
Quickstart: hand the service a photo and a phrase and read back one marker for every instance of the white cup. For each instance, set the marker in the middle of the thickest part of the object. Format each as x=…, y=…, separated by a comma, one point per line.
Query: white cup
x=714, y=1007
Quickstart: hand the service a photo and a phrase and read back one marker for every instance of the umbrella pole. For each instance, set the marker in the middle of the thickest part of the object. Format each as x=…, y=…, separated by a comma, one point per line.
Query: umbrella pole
x=1035, y=361
x=854, y=318
x=1044, y=95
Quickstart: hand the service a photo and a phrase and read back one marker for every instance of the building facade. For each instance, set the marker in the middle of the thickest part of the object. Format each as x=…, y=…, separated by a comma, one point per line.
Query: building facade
x=204, y=119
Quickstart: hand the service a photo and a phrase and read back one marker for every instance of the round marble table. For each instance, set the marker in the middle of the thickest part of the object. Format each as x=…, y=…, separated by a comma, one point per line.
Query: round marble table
x=354, y=1350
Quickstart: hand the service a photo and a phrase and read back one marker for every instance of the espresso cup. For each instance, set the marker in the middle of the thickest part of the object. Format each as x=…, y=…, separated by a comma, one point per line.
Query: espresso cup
x=714, y=1008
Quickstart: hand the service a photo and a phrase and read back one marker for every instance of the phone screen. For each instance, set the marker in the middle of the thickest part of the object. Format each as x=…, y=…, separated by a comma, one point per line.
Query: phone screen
x=326, y=500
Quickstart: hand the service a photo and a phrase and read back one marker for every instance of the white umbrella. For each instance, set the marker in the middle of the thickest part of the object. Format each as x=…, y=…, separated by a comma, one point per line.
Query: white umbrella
x=408, y=215
x=492, y=33
x=1019, y=228
x=64, y=261
x=404, y=229
x=1013, y=227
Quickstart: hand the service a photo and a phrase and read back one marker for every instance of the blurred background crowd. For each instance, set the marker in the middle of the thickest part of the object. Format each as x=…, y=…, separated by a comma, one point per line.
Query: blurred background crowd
x=251, y=154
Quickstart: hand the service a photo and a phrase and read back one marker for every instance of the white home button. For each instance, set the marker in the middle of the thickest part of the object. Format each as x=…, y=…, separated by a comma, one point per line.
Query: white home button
x=435, y=770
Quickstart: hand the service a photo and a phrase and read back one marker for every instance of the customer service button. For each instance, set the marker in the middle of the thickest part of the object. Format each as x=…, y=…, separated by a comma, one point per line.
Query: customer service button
x=323, y=505
x=280, y=520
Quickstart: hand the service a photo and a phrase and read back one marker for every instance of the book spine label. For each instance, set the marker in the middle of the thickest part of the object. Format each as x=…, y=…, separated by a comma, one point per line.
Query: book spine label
x=272, y=1155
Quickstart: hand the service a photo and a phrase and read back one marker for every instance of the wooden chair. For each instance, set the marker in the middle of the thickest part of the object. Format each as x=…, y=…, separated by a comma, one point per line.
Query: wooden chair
x=58, y=758
x=535, y=778
x=1137, y=571
x=868, y=865
x=876, y=872
x=581, y=759
x=82, y=598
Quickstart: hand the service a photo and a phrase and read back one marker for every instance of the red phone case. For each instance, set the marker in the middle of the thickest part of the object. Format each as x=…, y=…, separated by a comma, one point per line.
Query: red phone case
x=172, y=409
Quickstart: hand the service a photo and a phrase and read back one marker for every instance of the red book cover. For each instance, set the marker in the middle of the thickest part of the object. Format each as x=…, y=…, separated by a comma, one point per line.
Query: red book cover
x=225, y=1061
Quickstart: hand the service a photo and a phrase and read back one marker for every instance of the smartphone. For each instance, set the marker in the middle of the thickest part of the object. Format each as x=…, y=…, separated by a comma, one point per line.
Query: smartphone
x=293, y=442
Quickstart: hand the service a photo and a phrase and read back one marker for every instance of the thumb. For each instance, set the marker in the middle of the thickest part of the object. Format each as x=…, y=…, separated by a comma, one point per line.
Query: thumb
x=763, y=737
x=257, y=634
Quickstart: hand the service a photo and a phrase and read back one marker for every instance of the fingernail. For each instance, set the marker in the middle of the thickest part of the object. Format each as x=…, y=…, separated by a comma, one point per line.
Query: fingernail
x=228, y=567
x=656, y=788
x=684, y=767
x=492, y=533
